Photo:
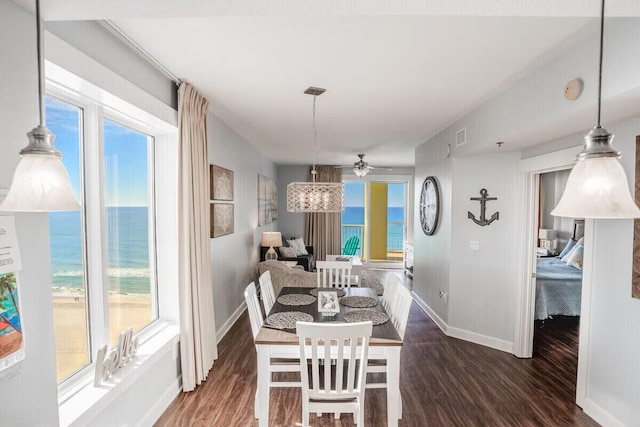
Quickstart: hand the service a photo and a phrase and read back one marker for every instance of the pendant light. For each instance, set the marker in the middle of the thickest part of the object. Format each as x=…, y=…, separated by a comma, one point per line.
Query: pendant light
x=315, y=196
x=597, y=186
x=40, y=181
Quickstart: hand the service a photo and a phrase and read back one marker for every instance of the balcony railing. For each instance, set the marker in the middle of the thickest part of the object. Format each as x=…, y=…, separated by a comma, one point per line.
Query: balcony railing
x=395, y=236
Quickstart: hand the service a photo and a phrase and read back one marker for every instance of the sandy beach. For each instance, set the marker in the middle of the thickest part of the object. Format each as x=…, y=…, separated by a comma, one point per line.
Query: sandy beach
x=125, y=311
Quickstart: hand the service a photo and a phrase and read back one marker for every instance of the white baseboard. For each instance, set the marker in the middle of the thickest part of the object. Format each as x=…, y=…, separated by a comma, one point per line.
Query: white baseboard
x=432, y=314
x=220, y=333
x=600, y=415
x=484, y=340
x=463, y=334
x=155, y=412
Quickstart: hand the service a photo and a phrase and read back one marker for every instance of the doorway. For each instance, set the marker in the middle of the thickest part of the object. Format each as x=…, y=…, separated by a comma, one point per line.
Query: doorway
x=532, y=168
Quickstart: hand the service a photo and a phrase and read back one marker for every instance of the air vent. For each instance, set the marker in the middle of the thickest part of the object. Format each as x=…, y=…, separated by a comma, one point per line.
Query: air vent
x=461, y=137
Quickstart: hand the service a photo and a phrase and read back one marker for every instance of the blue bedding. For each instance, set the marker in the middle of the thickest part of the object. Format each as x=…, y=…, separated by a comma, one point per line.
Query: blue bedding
x=558, y=289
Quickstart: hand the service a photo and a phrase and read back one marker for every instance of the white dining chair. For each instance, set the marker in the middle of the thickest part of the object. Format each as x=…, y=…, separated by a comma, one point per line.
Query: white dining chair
x=266, y=288
x=398, y=309
x=277, y=363
x=347, y=345
x=334, y=274
x=391, y=285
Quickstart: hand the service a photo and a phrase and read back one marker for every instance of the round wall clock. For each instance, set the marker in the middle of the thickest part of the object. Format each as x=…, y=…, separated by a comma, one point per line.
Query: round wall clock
x=429, y=206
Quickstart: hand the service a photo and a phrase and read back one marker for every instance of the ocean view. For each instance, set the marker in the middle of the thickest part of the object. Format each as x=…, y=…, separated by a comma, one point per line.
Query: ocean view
x=354, y=216
x=128, y=250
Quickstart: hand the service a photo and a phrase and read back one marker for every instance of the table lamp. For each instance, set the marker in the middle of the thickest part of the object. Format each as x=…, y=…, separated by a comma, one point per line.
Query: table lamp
x=271, y=239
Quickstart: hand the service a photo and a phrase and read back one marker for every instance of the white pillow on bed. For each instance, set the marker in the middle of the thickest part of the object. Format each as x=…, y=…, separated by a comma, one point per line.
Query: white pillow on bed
x=575, y=260
x=578, y=243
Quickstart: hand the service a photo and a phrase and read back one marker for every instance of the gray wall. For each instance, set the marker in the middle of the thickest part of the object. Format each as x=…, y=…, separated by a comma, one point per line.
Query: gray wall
x=551, y=188
x=234, y=256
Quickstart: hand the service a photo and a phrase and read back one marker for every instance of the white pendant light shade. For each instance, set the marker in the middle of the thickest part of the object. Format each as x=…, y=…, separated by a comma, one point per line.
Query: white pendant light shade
x=40, y=184
x=597, y=188
x=360, y=171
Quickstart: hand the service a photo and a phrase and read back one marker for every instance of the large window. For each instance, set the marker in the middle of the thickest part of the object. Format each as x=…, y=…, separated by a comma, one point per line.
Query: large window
x=102, y=257
x=375, y=214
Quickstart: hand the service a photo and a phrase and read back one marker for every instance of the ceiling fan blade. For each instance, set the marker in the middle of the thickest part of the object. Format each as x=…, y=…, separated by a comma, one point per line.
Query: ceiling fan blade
x=380, y=168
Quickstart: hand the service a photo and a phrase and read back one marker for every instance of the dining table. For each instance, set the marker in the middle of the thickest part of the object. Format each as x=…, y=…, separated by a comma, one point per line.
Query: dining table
x=385, y=344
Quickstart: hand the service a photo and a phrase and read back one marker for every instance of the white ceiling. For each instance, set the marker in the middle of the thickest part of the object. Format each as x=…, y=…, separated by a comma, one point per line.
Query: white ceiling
x=396, y=73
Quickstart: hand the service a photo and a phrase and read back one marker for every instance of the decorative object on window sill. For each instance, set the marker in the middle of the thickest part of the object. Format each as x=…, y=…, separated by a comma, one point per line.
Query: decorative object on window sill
x=267, y=200
x=221, y=219
x=221, y=183
x=271, y=239
x=315, y=196
x=429, y=205
x=361, y=168
x=597, y=186
x=547, y=238
x=483, y=209
x=40, y=182
x=121, y=355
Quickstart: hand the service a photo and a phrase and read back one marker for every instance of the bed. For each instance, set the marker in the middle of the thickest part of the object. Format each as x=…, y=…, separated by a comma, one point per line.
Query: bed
x=558, y=285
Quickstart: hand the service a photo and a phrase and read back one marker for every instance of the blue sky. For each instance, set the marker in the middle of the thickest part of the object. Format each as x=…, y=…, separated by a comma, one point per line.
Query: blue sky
x=354, y=194
x=125, y=155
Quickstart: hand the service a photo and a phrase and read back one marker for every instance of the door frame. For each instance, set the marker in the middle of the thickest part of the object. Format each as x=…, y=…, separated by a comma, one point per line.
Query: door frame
x=531, y=168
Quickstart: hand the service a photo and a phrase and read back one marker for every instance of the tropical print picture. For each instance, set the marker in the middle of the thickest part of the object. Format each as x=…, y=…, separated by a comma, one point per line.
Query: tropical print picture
x=10, y=328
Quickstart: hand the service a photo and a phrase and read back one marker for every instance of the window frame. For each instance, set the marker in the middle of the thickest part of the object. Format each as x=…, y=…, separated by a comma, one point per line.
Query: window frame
x=94, y=228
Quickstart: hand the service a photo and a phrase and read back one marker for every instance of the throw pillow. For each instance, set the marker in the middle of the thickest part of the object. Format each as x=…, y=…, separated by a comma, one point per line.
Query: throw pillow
x=568, y=255
x=287, y=252
x=570, y=244
x=298, y=246
x=576, y=259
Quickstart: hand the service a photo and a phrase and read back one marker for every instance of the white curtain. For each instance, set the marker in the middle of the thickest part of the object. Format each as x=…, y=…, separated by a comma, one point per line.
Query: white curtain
x=198, y=344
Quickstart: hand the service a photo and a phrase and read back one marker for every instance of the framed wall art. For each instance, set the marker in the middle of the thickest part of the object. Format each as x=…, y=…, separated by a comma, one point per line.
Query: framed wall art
x=221, y=219
x=267, y=200
x=221, y=183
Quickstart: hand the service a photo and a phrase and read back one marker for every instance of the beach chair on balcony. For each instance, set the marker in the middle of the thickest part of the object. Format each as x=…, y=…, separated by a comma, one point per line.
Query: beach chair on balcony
x=352, y=246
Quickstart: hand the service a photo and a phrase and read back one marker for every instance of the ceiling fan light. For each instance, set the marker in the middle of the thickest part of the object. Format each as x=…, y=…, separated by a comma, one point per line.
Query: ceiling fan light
x=597, y=188
x=360, y=171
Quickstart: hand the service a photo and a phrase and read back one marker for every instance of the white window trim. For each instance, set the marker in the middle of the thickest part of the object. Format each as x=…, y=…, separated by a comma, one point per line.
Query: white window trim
x=77, y=397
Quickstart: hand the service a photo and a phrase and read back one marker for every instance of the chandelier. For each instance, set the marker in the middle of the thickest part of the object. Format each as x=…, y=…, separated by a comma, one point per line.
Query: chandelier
x=315, y=196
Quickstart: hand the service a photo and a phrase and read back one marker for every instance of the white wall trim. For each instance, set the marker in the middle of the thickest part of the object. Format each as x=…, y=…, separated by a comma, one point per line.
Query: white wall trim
x=600, y=415
x=154, y=413
x=484, y=340
x=432, y=314
x=220, y=333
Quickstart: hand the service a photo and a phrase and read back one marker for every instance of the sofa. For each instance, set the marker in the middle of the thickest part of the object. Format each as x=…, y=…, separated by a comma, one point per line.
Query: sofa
x=306, y=261
x=282, y=275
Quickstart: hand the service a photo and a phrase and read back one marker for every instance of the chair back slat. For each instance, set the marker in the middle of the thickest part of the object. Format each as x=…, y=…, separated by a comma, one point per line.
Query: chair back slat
x=392, y=283
x=332, y=274
x=253, y=307
x=333, y=338
x=401, y=310
x=268, y=295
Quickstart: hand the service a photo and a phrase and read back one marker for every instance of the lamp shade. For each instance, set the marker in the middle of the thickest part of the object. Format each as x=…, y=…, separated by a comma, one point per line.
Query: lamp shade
x=547, y=234
x=315, y=197
x=597, y=188
x=40, y=184
x=360, y=171
x=272, y=238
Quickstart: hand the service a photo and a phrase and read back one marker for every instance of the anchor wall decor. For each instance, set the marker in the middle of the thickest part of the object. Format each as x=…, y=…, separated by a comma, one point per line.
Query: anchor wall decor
x=483, y=209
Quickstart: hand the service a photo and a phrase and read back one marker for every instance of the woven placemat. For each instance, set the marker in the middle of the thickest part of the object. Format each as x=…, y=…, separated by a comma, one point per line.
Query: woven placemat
x=377, y=317
x=359, y=302
x=340, y=292
x=287, y=319
x=296, y=299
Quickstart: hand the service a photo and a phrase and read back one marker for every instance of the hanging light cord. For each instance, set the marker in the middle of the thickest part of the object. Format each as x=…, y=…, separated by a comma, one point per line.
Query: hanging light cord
x=315, y=140
x=40, y=62
x=600, y=66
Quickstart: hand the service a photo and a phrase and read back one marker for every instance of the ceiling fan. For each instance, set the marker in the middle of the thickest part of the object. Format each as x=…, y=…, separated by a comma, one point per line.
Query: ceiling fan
x=361, y=168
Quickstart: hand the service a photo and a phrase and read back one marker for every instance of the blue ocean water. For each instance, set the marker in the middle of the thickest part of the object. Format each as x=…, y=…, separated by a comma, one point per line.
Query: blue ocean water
x=354, y=215
x=128, y=250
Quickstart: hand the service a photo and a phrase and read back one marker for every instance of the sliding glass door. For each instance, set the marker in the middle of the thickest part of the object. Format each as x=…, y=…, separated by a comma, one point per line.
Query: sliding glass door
x=375, y=215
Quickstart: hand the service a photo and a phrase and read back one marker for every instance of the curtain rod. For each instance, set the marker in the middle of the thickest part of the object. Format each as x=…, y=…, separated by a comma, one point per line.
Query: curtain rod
x=118, y=32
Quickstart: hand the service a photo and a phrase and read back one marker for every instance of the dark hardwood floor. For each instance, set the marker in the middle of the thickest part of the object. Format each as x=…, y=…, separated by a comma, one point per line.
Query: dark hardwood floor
x=444, y=382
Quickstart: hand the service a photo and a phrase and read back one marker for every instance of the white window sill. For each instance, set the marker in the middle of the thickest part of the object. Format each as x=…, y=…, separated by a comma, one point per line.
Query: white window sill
x=89, y=401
